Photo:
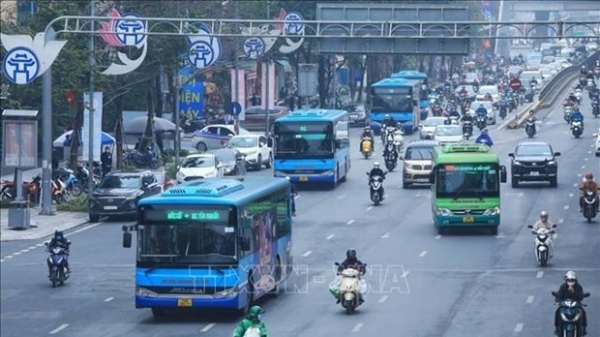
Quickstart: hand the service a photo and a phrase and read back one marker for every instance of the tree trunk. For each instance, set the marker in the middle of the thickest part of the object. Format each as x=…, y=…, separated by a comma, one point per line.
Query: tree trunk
x=160, y=103
x=75, y=136
x=351, y=82
x=322, y=74
x=146, y=139
x=119, y=132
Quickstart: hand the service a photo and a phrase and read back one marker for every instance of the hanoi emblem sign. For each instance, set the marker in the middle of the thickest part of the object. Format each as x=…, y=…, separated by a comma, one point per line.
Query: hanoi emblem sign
x=21, y=65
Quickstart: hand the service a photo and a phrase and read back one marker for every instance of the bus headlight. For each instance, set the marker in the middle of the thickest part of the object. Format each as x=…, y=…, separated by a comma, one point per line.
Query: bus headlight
x=233, y=292
x=492, y=211
x=328, y=173
x=444, y=212
x=145, y=292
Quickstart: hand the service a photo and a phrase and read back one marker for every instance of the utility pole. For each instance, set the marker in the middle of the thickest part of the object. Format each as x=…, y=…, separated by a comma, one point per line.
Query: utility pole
x=236, y=73
x=91, y=110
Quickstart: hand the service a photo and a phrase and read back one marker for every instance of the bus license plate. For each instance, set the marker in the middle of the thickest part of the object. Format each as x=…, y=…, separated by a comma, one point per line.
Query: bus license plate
x=184, y=302
x=303, y=178
x=467, y=219
x=534, y=173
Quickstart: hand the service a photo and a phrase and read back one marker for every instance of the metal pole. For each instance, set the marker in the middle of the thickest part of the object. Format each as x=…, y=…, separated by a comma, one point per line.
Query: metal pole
x=177, y=146
x=499, y=47
x=267, y=76
x=236, y=73
x=47, y=143
x=91, y=110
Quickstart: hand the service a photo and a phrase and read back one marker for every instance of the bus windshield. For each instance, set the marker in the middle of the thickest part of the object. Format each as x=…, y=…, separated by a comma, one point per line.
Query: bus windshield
x=467, y=180
x=392, y=100
x=304, y=140
x=176, y=235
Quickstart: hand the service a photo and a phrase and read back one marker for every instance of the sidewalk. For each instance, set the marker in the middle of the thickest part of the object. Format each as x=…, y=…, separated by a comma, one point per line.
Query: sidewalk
x=45, y=225
x=27, y=174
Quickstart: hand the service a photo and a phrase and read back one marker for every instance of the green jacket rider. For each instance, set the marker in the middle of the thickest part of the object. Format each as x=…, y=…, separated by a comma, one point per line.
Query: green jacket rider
x=252, y=320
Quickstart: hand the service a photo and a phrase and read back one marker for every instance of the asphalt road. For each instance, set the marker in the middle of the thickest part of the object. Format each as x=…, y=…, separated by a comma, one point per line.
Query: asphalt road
x=422, y=284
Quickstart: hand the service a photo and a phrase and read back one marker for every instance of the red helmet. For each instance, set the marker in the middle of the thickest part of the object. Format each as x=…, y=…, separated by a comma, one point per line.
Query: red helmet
x=589, y=176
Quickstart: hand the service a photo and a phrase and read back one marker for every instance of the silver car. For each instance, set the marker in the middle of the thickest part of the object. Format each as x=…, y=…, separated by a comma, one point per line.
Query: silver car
x=427, y=127
x=214, y=137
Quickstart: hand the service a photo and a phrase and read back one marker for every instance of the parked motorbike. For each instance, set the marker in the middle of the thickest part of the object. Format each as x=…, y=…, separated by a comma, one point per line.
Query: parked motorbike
x=192, y=124
x=530, y=128
x=56, y=265
x=349, y=288
x=467, y=129
x=570, y=314
x=73, y=184
x=577, y=129
x=589, y=205
x=366, y=147
x=59, y=191
x=376, y=189
x=543, y=243
x=7, y=191
x=141, y=159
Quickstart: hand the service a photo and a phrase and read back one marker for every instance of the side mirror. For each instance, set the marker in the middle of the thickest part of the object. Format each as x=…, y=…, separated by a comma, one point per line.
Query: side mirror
x=503, y=174
x=432, y=177
x=401, y=157
x=127, y=237
x=586, y=295
x=337, y=264
x=512, y=155
x=244, y=244
x=556, y=154
x=554, y=226
x=338, y=144
x=529, y=226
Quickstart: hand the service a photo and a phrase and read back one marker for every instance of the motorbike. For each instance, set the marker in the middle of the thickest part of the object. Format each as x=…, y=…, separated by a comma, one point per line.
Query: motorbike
x=56, y=265
x=530, y=127
x=349, y=288
x=141, y=159
x=391, y=157
x=192, y=124
x=595, y=109
x=454, y=120
x=503, y=110
x=7, y=191
x=568, y=114
x=570, y=314
x=589, y=205
x=59, y=191
x=366, y=147
x=481, y=122
x=578, y=95
x=529, y=95
x=387, y=134
x=375, y=189
x=467, y=129
x=73, y=184
x=543, y=240
x=577, y=128
x=590, y=85
x=436, y=110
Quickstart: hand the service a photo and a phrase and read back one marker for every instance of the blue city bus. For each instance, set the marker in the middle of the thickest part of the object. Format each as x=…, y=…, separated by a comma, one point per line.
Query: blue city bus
x=420, y=79
x=399, y=99
x=312, y=146
x=212, y=243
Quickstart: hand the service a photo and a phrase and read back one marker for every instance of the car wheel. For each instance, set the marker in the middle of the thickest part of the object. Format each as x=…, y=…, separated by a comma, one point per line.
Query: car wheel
x=554, y=182
x=94, y=218
x=514, y=182
x=269, y=163
x=201, y=147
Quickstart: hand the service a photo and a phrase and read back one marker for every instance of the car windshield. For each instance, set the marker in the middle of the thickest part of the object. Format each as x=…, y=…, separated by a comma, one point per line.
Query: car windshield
x=243, y=142
x=224, y=155
x=419, y=153
x=204, y=161
x=534, y=150
x=304, y=140
x=118, y=181
x=195, y=235
x=467, y=180
x=434, y=121
x=476, y=105
x=448, y=131
x=488, y=90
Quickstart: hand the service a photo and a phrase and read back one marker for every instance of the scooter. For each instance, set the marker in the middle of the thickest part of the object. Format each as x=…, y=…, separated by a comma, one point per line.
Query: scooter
x=391, y=158
x=589, y=205
x=376, y=189
x=570, y=314
x=577, y=129
x=366, y=147
x=56, y=265
x=543, y=242
x=568, y=114
x=481, y=122
x=59, y=191
x=349, y=289
x=530, y=127
x=467, y=129
x=578, y=95
x=595, y=109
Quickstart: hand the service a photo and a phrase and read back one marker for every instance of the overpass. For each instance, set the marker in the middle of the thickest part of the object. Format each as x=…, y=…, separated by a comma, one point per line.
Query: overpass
x=552, y=5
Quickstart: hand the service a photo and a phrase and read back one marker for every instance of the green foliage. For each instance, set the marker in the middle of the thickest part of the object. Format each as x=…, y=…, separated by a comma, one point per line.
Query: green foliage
x=171, y=169
x=75, y=204
x=5, y=204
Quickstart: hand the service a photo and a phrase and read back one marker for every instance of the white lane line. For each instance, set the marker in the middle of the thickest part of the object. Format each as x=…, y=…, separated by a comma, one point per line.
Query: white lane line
x=437, y=237
x=32, y=247
x=85, y=228
x=590, y=152
x=500, y=235
x=383, y=298
x=109, y=299
x=530, y=299
x=404, y=274
x=566, y=207
x=579, y=175
x=307, y=253
x=40, y=244
x=423, y=253
x=1, y=260
x=350, y=222
x=576, y=184
x=519, y=327
x=385, y=236
x=571, y=195
x=561, y=220
x=24, y=250
x=330, y=236
x=341, y=196
x=16, y=253
x=539, y=274
x=357, y=327
x=582, y=166
x=207, y=327
x=59, y=329
x=9, y=257
x=369, y=208
x=586, y=159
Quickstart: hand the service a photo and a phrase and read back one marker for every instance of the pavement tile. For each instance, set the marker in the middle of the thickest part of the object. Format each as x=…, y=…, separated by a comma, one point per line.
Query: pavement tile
x=44, y=225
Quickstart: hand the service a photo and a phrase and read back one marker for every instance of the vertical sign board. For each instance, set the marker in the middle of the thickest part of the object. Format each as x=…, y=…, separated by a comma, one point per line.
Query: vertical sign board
x=19, y=144
x=267, y=68
x=97, y=132
x=191, y=98
x=241, y=90
x=307, y=80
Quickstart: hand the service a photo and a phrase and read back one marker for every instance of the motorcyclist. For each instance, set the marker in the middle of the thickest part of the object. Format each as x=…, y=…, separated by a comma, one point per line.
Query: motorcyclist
x=577, y=116
x=60, y=241
x=532, y=115
x=570, y=290
x=583, y=70
x=367, y=133
x=463, y=91
x=545, y=223
x=533, y=82
x=377, y=171
x=390, y=149
x=481, y=111
x=467, y=118
x=106, y=159
x=484, y=138
x=252, y=320
x=388, y=121
x=588, y=184
x=572, y=97
x=352, y=261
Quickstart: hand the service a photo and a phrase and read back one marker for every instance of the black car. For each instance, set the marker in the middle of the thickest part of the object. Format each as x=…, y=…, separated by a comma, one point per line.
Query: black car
x=534, y=161
x=118, y=193
x=358, y=114
x=231, y=161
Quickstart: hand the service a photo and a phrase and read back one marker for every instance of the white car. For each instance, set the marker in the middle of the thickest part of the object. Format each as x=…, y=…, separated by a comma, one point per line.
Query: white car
x=199, y=166
x=214, y=137
x=488, y=89
x=597, y=144
x=427, y=127
x=445, y=134
x=255, y=148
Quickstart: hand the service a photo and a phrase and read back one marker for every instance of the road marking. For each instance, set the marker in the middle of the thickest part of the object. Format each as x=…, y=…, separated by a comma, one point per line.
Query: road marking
x=341, y=196
x=566, y=207
x=1, y=260
x=383, y=298
x=571, y=195
x=404, y=274
x=561, y=220
x=40, y=244
x=16, y=253
x=423, y=253
x=9, y=257
x=207, y=327
x=307, y=253
x=586, y=159
x=85, y=228
x=590, y=152
x=59, y=329
x=24, y=250
x=519, y=327
x=109, y=299
x=579, y=175
x=437, y=237
x=576, y=184
x=350, y=222
x=369, y=208
x=32, y=247
x=357, y=327
x=530, y=299
x=330, y=236
x=385, y=236
x=582, y=166
x=539, y=274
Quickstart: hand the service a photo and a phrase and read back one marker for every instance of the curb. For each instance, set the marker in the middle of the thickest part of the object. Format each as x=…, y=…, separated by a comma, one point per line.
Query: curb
x=69, y=230
x=516, y=120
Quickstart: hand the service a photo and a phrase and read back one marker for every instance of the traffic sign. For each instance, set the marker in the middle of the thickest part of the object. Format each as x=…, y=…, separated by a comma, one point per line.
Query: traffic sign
x=254, y=47
x=293, y=28
x=21, y=65
x=130, y=30
x=234, y=108
x=201, y=54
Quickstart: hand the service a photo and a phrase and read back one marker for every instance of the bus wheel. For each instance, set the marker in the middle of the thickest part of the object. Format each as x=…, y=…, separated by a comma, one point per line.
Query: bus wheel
x=277, y=274
x=494, y=230
x=343, y=179
x=158, y=313
x=249, y=295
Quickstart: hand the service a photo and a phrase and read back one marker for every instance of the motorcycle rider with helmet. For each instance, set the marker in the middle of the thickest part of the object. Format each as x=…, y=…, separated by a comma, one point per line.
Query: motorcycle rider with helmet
x=533, y=82
x=60, y=241
x=388, y=121
x=577, y=116
x=484, y=138
x=570, y=290
x=583, y=70
x=252, y=320
x=352, y=261
x=588, y=184
x=377, y=171
x=481, y=111
x=545, y=223
x=367, y=133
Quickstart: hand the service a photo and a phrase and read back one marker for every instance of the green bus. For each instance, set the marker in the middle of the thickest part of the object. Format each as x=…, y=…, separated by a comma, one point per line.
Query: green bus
x=466, y=187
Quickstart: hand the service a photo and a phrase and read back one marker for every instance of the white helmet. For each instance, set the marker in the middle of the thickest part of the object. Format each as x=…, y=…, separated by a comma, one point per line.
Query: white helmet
x=571, y=277
x=287, y=178
x=376, y=164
